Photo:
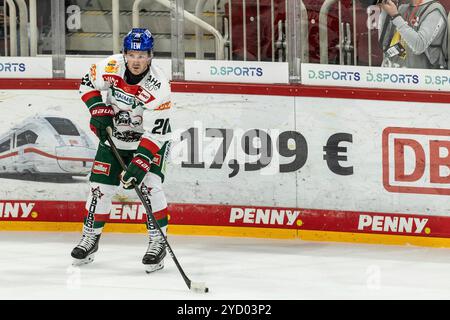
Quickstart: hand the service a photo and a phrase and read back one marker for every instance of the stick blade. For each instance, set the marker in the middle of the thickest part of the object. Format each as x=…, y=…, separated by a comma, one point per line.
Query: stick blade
x=199, y=287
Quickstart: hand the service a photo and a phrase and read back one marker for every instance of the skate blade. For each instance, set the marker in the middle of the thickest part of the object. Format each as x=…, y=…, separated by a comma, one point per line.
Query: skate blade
x=149, y=268
x=79, y=262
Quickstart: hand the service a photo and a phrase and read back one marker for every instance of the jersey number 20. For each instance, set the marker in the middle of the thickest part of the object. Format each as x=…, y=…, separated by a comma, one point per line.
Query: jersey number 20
x=162, y=126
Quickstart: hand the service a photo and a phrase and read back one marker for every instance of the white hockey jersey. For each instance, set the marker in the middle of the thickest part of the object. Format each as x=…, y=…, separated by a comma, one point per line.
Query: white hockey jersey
x=140, y=111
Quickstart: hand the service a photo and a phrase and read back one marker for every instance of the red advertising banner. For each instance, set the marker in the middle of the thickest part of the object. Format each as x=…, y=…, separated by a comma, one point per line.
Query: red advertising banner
x=238, y=216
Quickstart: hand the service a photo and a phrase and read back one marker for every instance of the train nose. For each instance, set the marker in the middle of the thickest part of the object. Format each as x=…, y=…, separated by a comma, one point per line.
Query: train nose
x=75, y=160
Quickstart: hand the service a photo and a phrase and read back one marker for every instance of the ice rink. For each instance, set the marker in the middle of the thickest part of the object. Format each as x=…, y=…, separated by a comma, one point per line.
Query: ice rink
x=37, y=265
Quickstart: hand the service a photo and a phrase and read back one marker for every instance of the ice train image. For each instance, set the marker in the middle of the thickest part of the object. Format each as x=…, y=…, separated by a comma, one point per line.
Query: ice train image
x=48, y=145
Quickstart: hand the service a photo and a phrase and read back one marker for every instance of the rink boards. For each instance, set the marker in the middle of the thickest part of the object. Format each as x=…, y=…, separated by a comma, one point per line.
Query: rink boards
x=271, y=161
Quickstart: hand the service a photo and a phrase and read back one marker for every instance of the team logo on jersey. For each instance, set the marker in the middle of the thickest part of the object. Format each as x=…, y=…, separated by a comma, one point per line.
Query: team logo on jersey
x=144, y=96
x=127, y=135
x=111, y=66
x=123, y=118
x=101, y=168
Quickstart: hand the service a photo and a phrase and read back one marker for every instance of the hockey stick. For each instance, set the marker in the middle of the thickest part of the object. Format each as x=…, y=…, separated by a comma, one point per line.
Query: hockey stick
x=199, y=287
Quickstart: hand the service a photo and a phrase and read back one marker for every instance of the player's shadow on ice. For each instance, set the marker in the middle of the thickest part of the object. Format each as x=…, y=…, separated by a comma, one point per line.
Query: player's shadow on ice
x=56, y=178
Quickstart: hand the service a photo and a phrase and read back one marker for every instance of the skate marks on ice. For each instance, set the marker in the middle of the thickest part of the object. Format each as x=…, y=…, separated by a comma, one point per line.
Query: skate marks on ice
x=37, y=265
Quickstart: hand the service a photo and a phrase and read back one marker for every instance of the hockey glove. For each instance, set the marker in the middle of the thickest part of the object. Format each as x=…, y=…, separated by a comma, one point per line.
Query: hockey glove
x=140, y=164
x=135, y=173
x=101, y=118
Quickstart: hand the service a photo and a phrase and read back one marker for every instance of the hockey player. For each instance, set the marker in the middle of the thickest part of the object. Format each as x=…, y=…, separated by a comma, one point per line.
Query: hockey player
x=137, y=108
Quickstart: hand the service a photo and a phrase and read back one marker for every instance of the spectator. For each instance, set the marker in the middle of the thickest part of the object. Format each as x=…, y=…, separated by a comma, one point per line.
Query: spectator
x=414, y=35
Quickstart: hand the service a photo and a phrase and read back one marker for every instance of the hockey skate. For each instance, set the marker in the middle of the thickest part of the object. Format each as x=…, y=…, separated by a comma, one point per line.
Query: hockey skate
x=153, y=259
x=84, y=252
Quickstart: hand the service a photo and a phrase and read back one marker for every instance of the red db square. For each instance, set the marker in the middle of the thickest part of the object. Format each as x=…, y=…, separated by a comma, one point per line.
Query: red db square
x=416, y=160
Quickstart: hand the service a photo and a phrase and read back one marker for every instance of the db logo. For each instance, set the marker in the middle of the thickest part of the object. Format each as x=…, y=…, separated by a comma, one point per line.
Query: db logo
x=416, y=160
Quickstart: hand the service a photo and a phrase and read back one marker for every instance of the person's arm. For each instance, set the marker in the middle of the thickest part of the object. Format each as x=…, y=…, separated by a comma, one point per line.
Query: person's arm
x=90, y=91
x=91, y=86
x=431, y=27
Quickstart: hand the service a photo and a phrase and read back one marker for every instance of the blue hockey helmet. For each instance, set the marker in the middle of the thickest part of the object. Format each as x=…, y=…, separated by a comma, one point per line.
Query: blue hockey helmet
x=138, y=39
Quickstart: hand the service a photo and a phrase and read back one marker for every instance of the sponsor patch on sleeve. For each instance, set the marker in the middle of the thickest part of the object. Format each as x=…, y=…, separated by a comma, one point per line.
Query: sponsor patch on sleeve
x=93, y=72
x=164, y=106
x=101, y=168
x=112, y=66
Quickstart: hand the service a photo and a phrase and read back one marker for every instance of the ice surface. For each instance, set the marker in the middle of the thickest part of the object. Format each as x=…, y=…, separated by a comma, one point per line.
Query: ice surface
x=37, y=265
